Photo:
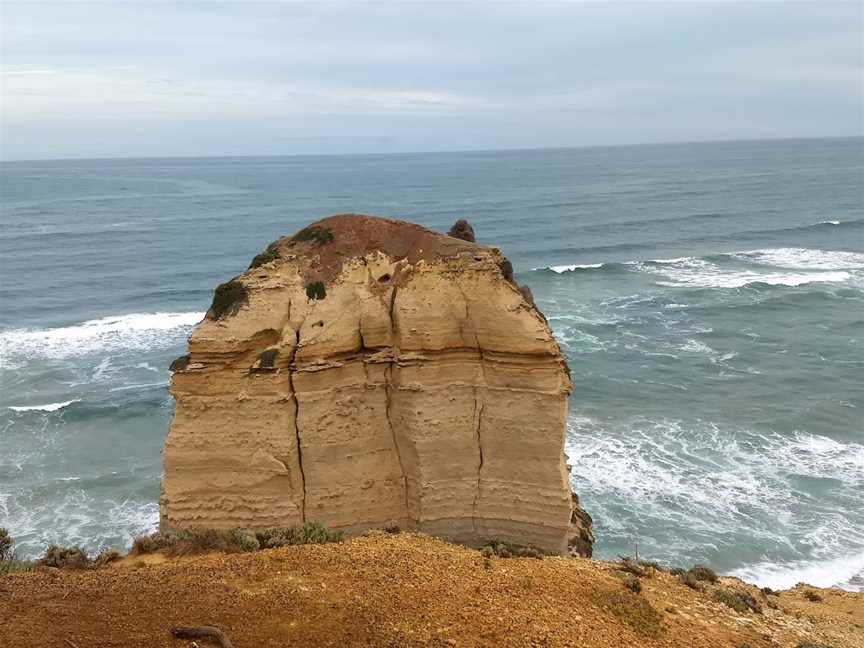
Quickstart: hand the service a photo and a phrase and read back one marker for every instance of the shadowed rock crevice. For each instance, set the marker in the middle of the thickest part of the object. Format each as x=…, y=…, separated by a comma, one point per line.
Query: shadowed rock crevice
x=296, y=415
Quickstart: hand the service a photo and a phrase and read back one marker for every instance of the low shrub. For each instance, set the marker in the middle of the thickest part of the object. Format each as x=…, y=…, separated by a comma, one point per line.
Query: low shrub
x=635, y=611
x=8, y=561
x=810, y=644
x=268, y=358
x=690, y=580
x=186, y=542
x=767, y=591
x=677, y=571
x=316, y=290
x=268, y=255
x=147, y=544
x=6, y=545
x=196, y=541
x=632, y=583
x=633, y=567
x=245, y=540
x=180, y=363
x=810, y=595
x=266, y=361
x=315, y=233
x=509, y=550
x=106, y=556
x=64, y=557
x=739, y=601
x=308, y=533
x=228, y=298
x=703, y=573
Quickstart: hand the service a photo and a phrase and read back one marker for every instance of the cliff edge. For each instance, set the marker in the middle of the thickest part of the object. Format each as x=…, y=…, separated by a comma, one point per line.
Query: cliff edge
x=369, y=372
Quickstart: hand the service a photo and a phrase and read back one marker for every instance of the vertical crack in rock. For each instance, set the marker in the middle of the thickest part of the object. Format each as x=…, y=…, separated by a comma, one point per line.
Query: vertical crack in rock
x=297, y=424
x=478, y=406
x=388, y=386
x=478, y=421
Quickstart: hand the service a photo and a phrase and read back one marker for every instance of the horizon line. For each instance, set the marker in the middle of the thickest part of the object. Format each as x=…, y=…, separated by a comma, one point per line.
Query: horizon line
x=440, y=152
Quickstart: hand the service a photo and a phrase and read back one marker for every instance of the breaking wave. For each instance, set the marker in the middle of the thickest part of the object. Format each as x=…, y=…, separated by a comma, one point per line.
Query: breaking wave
x=773, y=266
x=122, y=332
x=729, y=488
x=803, y=258
x=572, y=268
x=50, y=407
x=843, y=572
x=76, y=518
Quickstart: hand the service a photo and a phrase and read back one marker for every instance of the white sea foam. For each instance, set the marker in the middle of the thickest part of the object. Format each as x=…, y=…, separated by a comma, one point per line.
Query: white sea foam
x=703, y=487
x=132, y=331
x=838, y=572
x=829, y=222
x=803, y=258
x=163, y=383
x=695, y=346
x=691, y=272
x=570, y=268
x=75, y=518
x=49, y=407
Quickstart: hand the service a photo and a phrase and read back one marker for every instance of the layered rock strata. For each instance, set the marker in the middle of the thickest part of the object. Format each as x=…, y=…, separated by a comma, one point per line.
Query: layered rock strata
x=366, y=372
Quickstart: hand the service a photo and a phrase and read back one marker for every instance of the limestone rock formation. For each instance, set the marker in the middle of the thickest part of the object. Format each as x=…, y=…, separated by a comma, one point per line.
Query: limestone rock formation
x=369, y=371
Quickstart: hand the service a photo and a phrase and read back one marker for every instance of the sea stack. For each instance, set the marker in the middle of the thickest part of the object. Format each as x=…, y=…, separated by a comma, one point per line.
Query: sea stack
x=368, y=372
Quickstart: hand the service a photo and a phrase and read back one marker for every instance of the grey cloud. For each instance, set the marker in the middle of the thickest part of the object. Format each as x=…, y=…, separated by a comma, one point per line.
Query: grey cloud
x=126, y=79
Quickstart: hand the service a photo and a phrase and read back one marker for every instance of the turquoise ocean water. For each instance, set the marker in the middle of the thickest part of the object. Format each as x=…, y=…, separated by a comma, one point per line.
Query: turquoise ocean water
x=709, y=297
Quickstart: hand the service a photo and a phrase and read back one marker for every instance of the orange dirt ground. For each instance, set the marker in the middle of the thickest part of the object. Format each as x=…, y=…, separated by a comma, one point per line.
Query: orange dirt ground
x=407, y=590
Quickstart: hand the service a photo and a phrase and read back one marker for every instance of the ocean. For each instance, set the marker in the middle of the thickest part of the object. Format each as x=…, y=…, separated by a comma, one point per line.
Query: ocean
x=709, y=298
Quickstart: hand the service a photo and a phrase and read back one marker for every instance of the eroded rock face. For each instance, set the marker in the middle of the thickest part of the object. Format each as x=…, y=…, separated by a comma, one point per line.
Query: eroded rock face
x=368, y=371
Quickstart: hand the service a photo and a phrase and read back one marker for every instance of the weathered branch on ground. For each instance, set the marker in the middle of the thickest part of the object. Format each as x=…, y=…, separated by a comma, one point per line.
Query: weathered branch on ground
x=202, y=632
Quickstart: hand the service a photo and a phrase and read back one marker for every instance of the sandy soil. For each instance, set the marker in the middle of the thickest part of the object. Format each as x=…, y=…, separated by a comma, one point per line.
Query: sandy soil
x=401, y=590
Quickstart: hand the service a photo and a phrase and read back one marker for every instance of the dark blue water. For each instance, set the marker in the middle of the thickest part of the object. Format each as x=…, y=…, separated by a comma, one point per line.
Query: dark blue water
x=709, y=297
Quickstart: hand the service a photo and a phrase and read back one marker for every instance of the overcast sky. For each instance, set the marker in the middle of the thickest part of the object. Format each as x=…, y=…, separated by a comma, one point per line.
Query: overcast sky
x=216, y=78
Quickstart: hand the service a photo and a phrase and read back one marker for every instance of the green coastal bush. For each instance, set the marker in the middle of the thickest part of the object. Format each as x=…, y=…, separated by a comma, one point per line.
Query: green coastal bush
x=180, y=363
x=739, y=601
x=266, y=361
x=509, y=550
x=703, y=573
x=695, y=576
x=64, y=557
x=6, y=545
x=316, y=290
x=76, y=558
x=632, y=583
x=308, y=533
x=185, y=542
x=228, y=298
x=8, y=561
x=690, y=580
x=314, y=233
x=268, y=255
x=638, y=568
